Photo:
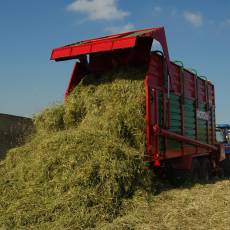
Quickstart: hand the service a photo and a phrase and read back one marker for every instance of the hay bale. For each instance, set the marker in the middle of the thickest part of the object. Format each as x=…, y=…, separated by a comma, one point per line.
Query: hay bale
x=84, y=160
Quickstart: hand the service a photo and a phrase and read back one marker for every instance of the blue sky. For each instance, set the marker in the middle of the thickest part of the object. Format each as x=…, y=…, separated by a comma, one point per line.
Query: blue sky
x=198, y=33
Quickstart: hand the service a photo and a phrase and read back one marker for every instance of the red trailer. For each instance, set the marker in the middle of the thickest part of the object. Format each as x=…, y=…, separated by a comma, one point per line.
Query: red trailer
x=180, y=105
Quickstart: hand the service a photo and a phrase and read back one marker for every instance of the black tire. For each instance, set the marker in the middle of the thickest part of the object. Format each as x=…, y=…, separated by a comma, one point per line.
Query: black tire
x=226, y=166
x=195, y=173
x=177, y=177
x=205, y=170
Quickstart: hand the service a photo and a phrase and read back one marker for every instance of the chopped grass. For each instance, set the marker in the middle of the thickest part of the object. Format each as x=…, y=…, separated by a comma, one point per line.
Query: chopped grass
x=83, y=161
x=83, y=168
x=200, y=207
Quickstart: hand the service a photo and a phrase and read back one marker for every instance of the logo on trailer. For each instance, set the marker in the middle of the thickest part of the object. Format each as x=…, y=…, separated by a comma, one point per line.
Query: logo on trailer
x=202, y=115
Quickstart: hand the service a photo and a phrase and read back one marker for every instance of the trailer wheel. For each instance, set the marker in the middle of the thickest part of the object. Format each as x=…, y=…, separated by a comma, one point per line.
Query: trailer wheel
x=226, y=166
x=195, y=171
x=177, y=177
x=205, y=170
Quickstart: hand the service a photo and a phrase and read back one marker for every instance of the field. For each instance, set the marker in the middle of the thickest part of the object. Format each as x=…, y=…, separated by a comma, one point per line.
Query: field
x=83, y=169
x=197, y=207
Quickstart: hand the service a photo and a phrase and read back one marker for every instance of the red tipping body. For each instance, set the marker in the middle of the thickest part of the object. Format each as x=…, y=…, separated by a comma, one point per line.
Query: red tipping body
x=180, y=106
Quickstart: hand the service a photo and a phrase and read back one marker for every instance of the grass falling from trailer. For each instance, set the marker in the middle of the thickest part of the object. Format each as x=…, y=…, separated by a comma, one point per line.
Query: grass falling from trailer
x=84, y=160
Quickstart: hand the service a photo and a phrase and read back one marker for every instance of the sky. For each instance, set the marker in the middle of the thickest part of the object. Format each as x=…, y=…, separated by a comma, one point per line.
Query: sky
x=198, y=33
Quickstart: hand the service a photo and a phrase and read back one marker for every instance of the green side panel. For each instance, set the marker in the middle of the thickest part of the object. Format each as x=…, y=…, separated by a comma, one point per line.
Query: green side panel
x=202, y=134
x=211, y=122
x=189, y=121
x=175, y=114
x=175, y=121
x=162, y=144
x=189, y=118
x=160, y=118
x=173, y=144
x=160, y=108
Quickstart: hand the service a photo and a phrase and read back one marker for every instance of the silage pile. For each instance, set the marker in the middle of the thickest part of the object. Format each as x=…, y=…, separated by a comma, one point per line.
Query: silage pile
x=85, y=160
x=201, y=206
